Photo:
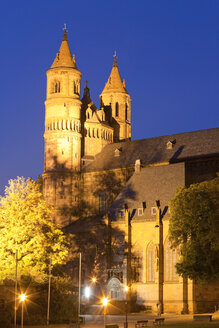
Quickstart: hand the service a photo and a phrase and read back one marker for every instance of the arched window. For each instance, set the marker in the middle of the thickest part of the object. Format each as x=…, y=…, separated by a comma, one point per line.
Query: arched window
x=117, y=109
x=126, y=112
x=57, y=87
x=136, y=266
x=102, y=202
x=151, y=250
x=171, y=257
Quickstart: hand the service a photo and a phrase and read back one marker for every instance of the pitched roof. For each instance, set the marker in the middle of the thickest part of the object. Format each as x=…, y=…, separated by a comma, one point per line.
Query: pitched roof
x=114, y=83
x=147, y=186
x=64, y=57
x=157, y=150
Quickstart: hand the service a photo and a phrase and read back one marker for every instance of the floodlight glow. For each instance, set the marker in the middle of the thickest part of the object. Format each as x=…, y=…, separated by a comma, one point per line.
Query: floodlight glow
x=105, y=301
x=94, y=279
x=126, y=288
x=22, y=297
x=87, y=292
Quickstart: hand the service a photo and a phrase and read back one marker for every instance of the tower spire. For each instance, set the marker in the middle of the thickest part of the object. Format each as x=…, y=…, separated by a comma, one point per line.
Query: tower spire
x=65, y=38
x=64, y=57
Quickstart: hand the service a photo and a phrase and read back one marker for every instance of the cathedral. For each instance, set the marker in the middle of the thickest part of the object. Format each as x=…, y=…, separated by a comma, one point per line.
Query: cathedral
x=93, y=168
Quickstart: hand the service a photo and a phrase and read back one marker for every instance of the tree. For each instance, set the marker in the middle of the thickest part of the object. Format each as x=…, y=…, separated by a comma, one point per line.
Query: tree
x=26, y=227
x=194, y=230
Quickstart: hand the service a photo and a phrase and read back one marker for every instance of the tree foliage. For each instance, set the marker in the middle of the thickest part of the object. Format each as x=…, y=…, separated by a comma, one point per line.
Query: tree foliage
x=26, y=227
x=194, y=229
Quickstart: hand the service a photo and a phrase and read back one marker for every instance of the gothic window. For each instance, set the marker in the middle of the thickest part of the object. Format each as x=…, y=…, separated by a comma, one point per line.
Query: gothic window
x=136, y=267
x=150, y=262
x=171, y=257
x=102, y=202
x=117, y=109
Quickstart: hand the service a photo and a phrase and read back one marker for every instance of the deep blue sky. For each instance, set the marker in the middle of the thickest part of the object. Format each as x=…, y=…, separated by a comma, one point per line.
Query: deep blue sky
x=168, y=53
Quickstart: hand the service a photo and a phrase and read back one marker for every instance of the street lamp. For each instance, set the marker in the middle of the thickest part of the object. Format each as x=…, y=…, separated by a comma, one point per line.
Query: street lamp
x=87, y=292
x=94, y=280
x=22, y=299
x=104, y=302
x=126, y=306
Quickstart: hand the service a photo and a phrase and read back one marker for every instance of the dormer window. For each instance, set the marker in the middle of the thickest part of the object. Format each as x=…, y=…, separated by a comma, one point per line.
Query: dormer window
x=117, y=152
x=153, y=210
x=122, y=213
x=117, y=109
x=170, y=144
x=140, y=211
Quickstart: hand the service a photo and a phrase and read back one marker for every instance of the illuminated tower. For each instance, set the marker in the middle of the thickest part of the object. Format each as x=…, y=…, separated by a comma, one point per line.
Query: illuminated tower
x=116, y=98
x=62, y=128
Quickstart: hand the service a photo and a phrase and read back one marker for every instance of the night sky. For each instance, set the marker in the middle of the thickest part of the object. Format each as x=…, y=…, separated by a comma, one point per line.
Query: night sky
x=168, y=53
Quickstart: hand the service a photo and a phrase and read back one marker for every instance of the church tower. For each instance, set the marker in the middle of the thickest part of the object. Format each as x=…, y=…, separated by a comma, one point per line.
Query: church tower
x=62, y=129
x=115, y=98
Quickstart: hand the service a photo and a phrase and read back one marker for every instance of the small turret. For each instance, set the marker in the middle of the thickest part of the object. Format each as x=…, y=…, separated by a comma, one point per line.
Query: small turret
x=115, y=96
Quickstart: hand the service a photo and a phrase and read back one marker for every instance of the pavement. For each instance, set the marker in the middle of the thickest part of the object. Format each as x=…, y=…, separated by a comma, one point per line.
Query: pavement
x=97, y=321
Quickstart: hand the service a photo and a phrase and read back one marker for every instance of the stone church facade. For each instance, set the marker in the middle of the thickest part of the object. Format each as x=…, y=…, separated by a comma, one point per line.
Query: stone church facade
x=93, y=168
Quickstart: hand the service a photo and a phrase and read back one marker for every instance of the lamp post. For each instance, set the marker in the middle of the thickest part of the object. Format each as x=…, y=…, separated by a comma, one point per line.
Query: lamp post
x=105, y=302
x=22, y=299
x=126, y=306
x=79, y=288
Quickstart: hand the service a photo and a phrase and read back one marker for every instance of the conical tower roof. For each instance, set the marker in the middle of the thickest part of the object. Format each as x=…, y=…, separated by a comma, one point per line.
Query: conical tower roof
x=64, y=57
x=114, y=83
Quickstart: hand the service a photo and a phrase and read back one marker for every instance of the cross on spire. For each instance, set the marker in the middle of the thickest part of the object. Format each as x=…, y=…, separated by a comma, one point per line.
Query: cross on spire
x=115, y=60
x=65, y=33
x=65, y=28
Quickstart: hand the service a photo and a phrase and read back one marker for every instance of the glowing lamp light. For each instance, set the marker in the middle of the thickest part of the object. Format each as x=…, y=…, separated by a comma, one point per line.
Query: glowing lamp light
x=126, y=288
x=94, y=279
x=22, y=297
x=87, y=292
x=105, y=301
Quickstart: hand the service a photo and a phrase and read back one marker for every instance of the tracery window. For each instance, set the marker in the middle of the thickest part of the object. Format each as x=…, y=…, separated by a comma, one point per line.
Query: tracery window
x=136, y=267
x=171, y=257
x=151, y=262
x=102, y=202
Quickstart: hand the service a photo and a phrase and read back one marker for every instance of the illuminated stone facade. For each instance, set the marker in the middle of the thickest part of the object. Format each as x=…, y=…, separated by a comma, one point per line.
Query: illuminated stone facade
x=75, y=130
x=92, y=167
